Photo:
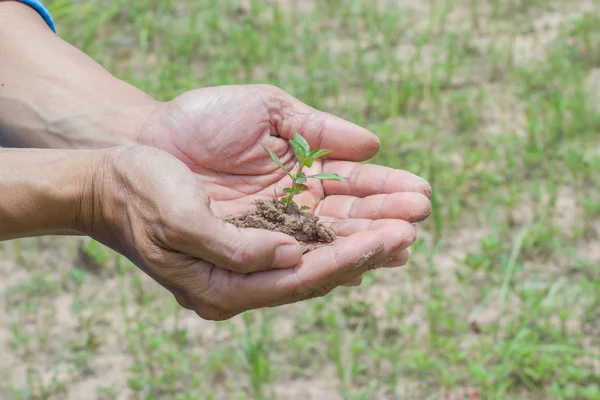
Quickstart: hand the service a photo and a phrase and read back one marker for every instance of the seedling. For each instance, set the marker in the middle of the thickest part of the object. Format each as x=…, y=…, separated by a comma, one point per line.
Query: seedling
x=305, y=157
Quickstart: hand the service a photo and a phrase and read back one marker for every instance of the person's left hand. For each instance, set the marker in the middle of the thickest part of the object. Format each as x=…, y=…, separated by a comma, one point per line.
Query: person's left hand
x=216, y=133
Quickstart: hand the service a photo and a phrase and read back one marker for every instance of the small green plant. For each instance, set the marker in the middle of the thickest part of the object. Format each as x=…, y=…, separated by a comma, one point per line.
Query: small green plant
x=305, y=157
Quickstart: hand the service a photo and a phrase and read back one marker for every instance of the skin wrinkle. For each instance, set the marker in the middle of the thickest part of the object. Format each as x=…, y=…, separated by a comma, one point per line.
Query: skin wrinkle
x=274, y=105
x=109, y=178
x=220, y=198
x=273, y=171
x=317, y=210
x=184, y=117
x=352, y=203
x=296, y=288
x=290, y=162
x=253, y=190
x=275, y=180
x=382, y=206
x=354, y=175
x=384, y=181
x=230, y=123
x=5, y=139
x=217, y=205
x=321, y=129
x=188, y=120
x=171, y=126
x=209, y=280
x=211, y=101
x=138, y=133
x=288, y=117
x=258, y=158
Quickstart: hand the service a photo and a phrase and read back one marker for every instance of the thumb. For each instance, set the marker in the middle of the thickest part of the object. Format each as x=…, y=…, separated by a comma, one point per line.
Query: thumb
x=241, y=250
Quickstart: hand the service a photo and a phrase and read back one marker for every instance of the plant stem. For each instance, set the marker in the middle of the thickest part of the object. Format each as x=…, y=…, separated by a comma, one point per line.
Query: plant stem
x=289, y=198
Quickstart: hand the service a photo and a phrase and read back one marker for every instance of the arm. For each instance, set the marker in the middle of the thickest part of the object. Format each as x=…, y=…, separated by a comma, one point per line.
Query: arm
x=44, y=192
x=52, y=95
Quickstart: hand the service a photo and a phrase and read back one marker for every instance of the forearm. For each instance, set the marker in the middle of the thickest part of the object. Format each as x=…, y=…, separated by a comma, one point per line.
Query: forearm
x=52, y=95
x=46, y=192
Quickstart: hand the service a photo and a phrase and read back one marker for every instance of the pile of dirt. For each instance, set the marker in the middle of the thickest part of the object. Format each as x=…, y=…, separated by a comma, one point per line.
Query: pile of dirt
x=274, y=216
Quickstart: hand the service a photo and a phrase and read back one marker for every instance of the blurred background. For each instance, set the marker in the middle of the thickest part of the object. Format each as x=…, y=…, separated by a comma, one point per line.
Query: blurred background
x=495, y=102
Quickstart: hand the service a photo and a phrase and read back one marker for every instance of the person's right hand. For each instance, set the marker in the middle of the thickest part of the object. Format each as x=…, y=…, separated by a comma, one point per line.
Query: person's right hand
x=149, y=206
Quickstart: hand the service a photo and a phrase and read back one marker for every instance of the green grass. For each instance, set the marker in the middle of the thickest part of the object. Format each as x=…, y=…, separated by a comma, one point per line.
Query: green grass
x=496, y=103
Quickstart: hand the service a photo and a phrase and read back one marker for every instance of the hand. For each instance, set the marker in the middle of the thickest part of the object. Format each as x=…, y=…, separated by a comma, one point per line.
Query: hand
x=216, y=133
x=150, y=207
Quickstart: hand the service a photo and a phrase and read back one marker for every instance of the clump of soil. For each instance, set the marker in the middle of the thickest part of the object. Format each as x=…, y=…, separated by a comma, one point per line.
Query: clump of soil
x=274, y=216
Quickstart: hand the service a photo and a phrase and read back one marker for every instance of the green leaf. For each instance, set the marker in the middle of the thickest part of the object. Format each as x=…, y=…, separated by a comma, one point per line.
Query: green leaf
x=288, y=191
x=298, y=151
x=275, y=159
x=329, y=176
x=300, y=188
x=302, y=179
x=302, y=142
x=304, y=208
x=319, y=153
x=308, y=162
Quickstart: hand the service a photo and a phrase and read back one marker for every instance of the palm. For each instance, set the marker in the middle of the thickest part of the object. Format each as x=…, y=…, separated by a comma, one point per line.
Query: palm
x=216, y=132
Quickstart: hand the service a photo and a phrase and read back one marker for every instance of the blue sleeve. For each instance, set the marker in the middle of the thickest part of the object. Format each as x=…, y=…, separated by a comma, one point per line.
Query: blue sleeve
x=37, y=6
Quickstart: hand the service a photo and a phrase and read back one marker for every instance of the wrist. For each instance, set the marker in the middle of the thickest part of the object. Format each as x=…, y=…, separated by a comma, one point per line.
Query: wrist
x=46, y=192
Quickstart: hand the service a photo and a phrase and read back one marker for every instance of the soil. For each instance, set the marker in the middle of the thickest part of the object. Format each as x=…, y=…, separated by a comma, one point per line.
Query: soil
x=274, y=216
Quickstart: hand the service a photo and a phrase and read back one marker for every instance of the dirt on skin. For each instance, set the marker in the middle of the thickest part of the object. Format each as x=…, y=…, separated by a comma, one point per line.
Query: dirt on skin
x=274, y=216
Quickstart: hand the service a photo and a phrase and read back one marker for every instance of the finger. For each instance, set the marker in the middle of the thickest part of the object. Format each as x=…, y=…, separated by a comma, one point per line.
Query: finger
x=368, y=179
x=398, y=259
x=412, y=207
x=321, y=130
x=242, y=250
x=316, y=275
x=353, y=282
x=396, y=227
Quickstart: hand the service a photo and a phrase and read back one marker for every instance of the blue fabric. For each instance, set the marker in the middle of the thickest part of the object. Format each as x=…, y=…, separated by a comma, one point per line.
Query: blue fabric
x=39, y=7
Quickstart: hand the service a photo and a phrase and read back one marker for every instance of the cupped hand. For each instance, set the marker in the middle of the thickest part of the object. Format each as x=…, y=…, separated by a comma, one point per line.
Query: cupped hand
x=151, y=207
x=217, y=132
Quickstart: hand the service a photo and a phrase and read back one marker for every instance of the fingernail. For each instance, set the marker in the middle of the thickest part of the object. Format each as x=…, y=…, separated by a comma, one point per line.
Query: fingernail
x=287, y=256
x=426, y=189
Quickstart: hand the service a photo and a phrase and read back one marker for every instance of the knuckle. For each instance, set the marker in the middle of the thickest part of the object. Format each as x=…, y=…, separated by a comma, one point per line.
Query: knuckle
x=242, y=259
